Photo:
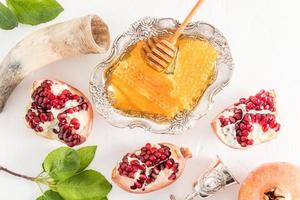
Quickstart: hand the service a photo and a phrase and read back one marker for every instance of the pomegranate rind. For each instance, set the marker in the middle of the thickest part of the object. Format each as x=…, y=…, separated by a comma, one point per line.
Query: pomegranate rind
x=215, y=126
x=281, y=175
x=48, y=134
x=180, y=155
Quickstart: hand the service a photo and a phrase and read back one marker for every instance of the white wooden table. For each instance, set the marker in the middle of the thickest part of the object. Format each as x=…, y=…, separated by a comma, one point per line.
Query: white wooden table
x=263, y=36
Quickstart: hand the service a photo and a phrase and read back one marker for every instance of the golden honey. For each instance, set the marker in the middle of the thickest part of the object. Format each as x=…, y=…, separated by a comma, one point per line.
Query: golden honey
x=138, y=90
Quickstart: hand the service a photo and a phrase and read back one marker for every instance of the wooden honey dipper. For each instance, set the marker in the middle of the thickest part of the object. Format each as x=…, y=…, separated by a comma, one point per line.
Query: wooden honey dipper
x=159, y=54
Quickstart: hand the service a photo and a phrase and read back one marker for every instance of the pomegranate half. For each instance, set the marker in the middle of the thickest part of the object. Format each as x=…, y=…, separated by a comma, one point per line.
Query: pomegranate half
x=59, y=111
x=248, y=122
x=272, y=181
x=150, y=168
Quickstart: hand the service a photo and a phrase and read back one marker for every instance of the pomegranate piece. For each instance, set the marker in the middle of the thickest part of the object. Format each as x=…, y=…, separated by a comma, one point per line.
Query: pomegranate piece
x=272, y=181
x=59, y=111
x=248, y=122
x=150, y=168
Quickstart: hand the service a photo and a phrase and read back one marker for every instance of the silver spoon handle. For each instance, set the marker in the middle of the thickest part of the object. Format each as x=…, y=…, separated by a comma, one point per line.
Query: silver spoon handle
x=189, y=197
x=192, y=196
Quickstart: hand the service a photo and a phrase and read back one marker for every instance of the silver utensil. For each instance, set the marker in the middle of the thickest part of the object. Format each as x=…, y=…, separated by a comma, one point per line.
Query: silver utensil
x=214, y=179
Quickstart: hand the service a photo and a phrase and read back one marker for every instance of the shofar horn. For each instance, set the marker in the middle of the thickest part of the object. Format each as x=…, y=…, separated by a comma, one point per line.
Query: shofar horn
x=85, y=35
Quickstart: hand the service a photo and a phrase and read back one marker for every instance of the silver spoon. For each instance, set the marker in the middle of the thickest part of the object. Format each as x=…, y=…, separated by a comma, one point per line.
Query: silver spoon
x=214, y=179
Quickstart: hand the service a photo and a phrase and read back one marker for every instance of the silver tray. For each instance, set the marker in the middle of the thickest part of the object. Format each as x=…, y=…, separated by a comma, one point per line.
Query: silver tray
x=145, y=28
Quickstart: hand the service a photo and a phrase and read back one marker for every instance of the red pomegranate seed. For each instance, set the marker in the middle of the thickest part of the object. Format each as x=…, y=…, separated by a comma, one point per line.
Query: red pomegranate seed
x=250, y=142
x=263, y=121
x=65, y=92
x=265, y=128
x=76, y=126
x=146, y=157
x=243, y=138
x=175, y=166
x=43, y=117
x=70, y=144
x=143, y=177
x=129, y=169
x=277, y=127
x=39, y=129
x=84, y=106
x=243, y=144
x=272, y=124
x=133, y=187
x=58, y=106
x=51, y=97
x=131, y=175
x=172, y=177
x=123, y=166
x=153, y=149
x=157, y=154
x=242, y=126
x=152, y=158
x=148, y=163
x=247, y=118
x=232, y=120
x=31, y=115
x=237, y=116
x=142, y=167
x=148, y=146
x=144, y=149
x=50, y=117
x=40, y=100
x=156, y=170
x=80, y=100
x=61, y=102
x=169, y=164
x=245, y=133
x=46, y=100
x=250, y=105
x=36, y=120
x=69, y=111
x=75, y=97
x=61, y=116
x=243, y=100
x=137, y=185
x=134, y=162
x=249, y=127
x=74, y=121
x=65, y=127
x=149, y=180
x=254, y=100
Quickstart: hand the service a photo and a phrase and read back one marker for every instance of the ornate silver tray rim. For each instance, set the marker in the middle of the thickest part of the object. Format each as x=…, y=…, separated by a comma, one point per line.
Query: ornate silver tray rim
x=145, y=28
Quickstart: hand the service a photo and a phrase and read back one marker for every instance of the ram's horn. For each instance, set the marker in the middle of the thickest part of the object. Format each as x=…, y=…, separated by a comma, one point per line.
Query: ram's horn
x=85, y=35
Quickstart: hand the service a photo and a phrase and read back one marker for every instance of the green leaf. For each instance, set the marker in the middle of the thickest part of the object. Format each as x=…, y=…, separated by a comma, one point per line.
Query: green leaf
x=87, y=185
x=35, y=12
x=50, y=195
x=62, y=163
x=8, y=20
x=86, y=155
x=105, y=198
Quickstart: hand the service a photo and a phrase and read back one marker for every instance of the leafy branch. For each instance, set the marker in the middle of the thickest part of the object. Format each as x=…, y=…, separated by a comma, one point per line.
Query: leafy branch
x=16, y=174
x=31, y=12
x=64, y=173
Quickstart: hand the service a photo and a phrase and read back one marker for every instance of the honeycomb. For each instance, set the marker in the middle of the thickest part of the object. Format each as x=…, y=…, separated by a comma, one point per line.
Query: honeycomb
x=138, y=90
